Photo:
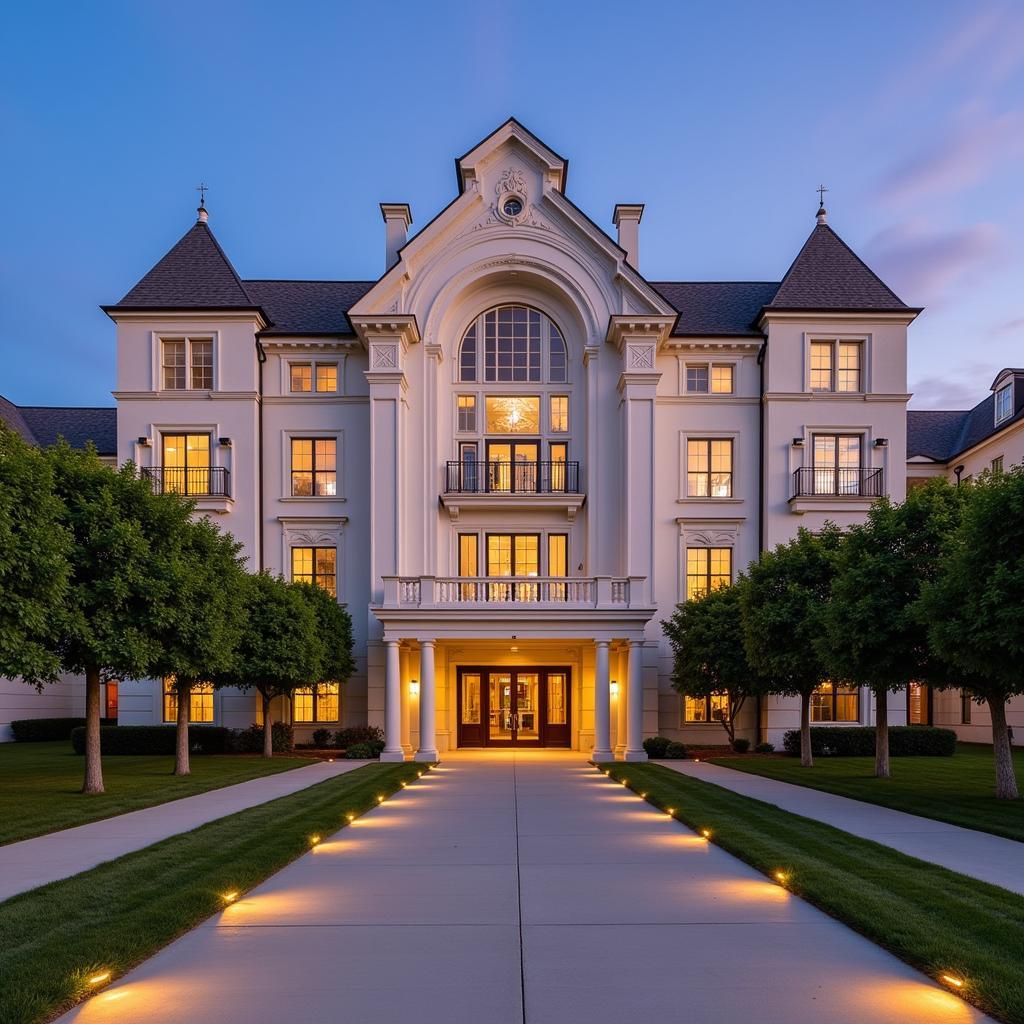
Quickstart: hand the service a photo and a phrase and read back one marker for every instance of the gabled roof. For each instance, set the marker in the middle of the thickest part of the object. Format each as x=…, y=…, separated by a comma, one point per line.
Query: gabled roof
x=44, y=425
x=717, y=308
x=828, y=275
x=307, y=307
x=195, y=274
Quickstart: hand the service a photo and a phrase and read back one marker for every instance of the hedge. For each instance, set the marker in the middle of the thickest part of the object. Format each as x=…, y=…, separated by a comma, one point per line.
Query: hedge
x=859, y=741
x=156, y=739
x=250, y=741
x=44, y=730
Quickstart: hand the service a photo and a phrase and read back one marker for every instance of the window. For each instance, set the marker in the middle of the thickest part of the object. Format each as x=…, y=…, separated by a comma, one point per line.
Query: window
x=703, y=379
x=997, y=465
x=303, y=376
x=466, y=413
x=965, y=708
x=721, y=380
x=520, y=345
x=187, y=363
x=713, y=708
x=513, y=554
x=708, y=468
x=559, y=453
x=1004, y=403
x=186, y=463
x=836, y=366
x=200, y=702
x=831, y=702
x=469, y=564
x=559, y=413
x=326, y=377
x=558, y=554
x=513, y=414
x=316, y=703
x=837, y=463
x=707, y=569
x=314, y=467
x=317, y=566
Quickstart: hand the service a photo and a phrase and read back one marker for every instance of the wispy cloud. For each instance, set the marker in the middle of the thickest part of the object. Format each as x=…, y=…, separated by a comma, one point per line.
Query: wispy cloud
x=1009, y=327
x=952, y=392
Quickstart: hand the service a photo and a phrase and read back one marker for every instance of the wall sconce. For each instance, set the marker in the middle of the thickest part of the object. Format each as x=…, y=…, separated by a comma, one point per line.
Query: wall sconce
x=224, y=442
x=614, y=688
x=144, y=442
x=881, y=442
x=414, y=687
x=798, y=442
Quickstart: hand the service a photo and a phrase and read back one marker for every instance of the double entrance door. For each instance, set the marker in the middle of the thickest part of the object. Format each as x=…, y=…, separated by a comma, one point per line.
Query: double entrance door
x=514, y=707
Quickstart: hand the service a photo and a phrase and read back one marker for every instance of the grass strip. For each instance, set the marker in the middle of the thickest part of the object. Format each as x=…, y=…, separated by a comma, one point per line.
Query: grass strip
x=957, y=789
x=40, y=784
x=936, y=920
x=55, y=938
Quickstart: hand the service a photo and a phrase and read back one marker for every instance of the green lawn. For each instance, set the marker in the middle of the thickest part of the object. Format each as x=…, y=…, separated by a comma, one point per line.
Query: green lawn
x=40, y=783
x=956, y=789
x=53, y=939
x=937, y=920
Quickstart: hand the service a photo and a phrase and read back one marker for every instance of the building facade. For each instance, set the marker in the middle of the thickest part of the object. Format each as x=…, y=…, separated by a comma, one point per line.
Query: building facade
x=512, y=455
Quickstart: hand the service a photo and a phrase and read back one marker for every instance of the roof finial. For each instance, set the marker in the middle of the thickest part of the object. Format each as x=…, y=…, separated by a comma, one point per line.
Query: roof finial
x=202, y=189
x=822, y=214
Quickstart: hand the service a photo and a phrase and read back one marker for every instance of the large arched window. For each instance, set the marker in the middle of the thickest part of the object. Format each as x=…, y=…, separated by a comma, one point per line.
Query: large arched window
x=513, y=345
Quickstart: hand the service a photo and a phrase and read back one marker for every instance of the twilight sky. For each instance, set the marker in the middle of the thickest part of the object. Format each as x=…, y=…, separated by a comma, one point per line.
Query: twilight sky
x=722, y=117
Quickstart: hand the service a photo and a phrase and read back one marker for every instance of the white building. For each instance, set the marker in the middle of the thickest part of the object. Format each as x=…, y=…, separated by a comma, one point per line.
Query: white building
x=512, y=455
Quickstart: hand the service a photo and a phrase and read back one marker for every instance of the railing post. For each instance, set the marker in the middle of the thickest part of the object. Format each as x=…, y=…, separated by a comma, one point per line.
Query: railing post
x=428, y=599
x=602, y=591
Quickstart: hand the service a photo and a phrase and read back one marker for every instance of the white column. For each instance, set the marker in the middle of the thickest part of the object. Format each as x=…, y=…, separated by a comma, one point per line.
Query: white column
x=392, y=704
x=602, y=712
x=404, y=702
x=428, y=704
x=635, y=705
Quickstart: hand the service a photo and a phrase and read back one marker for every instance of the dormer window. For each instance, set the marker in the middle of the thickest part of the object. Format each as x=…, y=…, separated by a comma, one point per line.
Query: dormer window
x=1004, y=403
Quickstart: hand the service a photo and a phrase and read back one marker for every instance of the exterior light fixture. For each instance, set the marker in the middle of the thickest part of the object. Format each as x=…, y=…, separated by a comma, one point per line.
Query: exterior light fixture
x=419, y=775
x=98, y=979
x=224, y=442
x=404, y=784
x=798, y=442
x=643, y=796
x=230, y=897
x=670, y=811
x=614, y=688
x=952, y=979
x=144, y=442
x=350, y=817
x=881, y=442
x=314, y=840
x=414, y=687
x=696, y=760
x=706, y=833
x=781, y=877
x=380, y=799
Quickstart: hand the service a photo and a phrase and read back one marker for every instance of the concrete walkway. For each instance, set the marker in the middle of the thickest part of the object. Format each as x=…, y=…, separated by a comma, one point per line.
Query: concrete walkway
x=978, y=854
x=520, y=888
x=35, y=862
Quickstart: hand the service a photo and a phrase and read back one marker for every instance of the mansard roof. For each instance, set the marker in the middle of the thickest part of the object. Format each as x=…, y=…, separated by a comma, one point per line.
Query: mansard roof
x=827, y=275
x=717, y=308
x=44, y=425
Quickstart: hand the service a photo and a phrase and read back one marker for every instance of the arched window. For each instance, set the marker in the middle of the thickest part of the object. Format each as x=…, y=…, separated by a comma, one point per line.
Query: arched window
x=520, y=346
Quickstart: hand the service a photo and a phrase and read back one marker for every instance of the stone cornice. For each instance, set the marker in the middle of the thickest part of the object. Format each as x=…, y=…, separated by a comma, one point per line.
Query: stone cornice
x=386, y=327
x=623, y=328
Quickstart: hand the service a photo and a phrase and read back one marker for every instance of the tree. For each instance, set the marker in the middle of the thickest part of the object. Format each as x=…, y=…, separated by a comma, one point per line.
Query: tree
x=120, y=579
x=873, y=633
x=706, y=635
x=334, y=628
x=280, y=648
x=204, y=614
x=782, y=607
x=974, y=608
x=34, y=568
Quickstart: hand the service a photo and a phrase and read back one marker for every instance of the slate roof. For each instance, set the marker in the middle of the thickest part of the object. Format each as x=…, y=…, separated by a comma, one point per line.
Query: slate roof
x=43, y=425
x=307, y=307
x=828, y=275
x=717, y=308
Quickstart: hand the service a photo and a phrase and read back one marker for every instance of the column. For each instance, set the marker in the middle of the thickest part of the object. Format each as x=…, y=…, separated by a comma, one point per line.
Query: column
x=635, y=704
x=428, y=704
x=392, y=704
x=602, y=711
x=620, y=703
x=404, y=703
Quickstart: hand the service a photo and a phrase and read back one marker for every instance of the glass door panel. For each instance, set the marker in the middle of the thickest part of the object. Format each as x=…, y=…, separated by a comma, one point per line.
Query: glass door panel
x=501, y=707
x=527, y=563
x=527, y=707
x=557, y=703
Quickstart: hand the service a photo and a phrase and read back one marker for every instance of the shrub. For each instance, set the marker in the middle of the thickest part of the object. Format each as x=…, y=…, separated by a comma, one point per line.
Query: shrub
x=765, y=748
x=675, y=751
x=321, y=738
x=155, y=739
x=741, y=746
x=656, y=746
x=859, y=741
x=345, y=738
x=250, y=741
x=364, y=751
x=39, y=730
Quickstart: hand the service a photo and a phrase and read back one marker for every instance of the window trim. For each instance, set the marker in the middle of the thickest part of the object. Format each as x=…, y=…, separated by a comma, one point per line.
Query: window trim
x=287, y=436
x=337, y=361
x=316, y=719
x=709, y=441
x=160, y=339
x=834, y=341
x=710, y=365
x=707, y=575
x=313, y=471
x=313, y=577
x=475, y=429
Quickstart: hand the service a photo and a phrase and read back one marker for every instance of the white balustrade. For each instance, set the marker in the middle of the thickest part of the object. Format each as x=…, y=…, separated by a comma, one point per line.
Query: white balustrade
x=510, y=591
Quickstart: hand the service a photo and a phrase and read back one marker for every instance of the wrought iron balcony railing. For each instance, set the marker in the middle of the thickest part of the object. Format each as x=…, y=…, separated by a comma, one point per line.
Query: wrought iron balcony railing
x=819, y=482
x=512, y=478
x=195, y=482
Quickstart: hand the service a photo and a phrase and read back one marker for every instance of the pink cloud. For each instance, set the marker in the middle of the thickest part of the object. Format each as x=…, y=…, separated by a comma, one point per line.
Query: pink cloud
x=936, y=392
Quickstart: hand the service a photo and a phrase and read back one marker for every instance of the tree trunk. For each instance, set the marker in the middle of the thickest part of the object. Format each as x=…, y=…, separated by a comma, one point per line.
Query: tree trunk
x=729, y=721
x=1006, y=777
x=181, y=765
x=93, y=764
x=268, y=729
x=882, y=734
x=806, y=758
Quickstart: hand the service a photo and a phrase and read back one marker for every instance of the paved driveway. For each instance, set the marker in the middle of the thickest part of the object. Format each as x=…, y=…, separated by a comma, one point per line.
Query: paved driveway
x=521, y=887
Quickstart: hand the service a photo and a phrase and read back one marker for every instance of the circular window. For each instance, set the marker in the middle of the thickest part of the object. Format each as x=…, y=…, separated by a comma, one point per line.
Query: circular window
x=512, y=207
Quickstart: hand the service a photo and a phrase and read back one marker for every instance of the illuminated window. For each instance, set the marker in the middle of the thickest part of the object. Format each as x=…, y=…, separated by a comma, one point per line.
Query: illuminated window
x=202, y=365
x=186, y=363
x=1004, y=403
x=302, y=377
x=558, y=554
x=713, y=708
x=186, y=463
x=821, y=365
x=174, y=365
x=469, y=564
x=837, y=463
x=327, y=376
x=722, y=380
x=707, y=569
x=559, y=413
x=520, y=345
x=836, y=366
x=849, y=369
x=467, y=413
x=316, y=703
x=200, y=702
x=709, y=468
x=317, y=566
x=314, y=466
x=833, y=703
x=513, y=414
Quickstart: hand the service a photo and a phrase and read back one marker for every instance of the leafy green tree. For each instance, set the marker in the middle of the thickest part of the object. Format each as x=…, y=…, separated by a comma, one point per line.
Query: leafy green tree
x=974, y=608
x=34, y=566
x=280, y=648
x=204, y=614
x=121, y=557
x=709, y=658
x=334, y=627
x=783, y=605
x=874, y=637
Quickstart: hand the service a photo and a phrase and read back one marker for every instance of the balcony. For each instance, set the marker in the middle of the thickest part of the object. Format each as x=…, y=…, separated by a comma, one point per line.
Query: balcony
x=512, y=485
x=210, y=486
x=828, y=488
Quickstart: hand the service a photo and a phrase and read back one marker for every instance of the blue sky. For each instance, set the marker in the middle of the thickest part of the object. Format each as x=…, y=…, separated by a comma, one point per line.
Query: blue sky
x=721, y=116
